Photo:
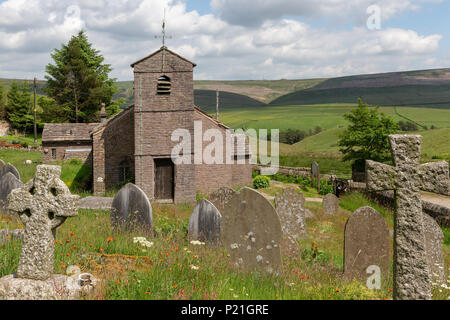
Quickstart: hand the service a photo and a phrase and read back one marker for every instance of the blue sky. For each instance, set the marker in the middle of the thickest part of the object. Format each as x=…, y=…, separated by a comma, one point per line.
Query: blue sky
x=233, y=39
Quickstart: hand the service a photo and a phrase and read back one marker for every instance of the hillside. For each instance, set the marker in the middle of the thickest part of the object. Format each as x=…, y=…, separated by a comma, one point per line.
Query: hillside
x=423, y=88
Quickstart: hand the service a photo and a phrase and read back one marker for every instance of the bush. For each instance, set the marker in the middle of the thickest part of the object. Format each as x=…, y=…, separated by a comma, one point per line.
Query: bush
x=326, y=187
x=24, y=144
x=76, y=161
x=261, y=182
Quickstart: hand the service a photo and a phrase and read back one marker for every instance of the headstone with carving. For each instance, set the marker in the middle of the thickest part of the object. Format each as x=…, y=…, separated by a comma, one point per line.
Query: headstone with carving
x=291, y=211
x=9, y=168
x=204, y=224
x=434, y=239
x=251, y=232
x=220, y=197
x=330, y=204
x=366, y=244
x=42, y=204
x=412, y=278
x=8, y=183
x=131, y=210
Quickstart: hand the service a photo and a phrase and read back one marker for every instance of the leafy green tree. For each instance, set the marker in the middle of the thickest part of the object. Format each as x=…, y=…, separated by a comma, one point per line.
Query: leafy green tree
x=2, y=103
x=51, y=112
x=78, y=80
x=19, y=106
x=366, y=138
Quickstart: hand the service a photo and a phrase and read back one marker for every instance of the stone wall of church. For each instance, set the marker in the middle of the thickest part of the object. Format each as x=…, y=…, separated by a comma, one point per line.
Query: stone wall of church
x=113, y=152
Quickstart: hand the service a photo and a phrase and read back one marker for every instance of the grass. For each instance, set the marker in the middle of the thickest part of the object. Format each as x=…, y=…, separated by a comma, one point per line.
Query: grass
x=74, y=174
x=165, y=270
x=28, y=138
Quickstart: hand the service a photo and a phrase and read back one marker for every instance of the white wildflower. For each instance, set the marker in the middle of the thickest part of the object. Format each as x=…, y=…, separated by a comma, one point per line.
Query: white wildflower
x=197, y=243
x=194, y=267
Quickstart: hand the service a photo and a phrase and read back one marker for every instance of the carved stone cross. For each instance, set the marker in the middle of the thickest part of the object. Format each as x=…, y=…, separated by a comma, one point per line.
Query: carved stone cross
x=43, y=204
x=412, y=278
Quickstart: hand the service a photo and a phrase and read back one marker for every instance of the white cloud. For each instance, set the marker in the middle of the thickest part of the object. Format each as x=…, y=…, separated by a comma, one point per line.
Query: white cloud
x=124, y=31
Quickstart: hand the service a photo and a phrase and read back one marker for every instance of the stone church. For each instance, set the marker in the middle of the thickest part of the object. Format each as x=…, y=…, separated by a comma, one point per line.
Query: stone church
x=135, y=145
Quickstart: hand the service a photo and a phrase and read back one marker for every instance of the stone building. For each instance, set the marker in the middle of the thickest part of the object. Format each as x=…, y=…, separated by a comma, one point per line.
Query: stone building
x=136, y=144
x=64, y=141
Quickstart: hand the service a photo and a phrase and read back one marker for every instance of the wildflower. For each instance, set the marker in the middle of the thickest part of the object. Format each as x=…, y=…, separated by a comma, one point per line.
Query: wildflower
x=109, y=239
x=68, y=254
x=197, y=243
x=170, y=269
x=101, y=249
x=117, y=281
x=337, y=290
x=302, y=277
x=147, y=293
x=390, y=290
x=277, y=295
x=235, y=296
x=297, y=272
x=194, y=267
x=175, y=286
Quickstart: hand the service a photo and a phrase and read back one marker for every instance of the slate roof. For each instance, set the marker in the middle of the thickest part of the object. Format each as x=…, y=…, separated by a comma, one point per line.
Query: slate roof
x=167, y=50
x=67, y=131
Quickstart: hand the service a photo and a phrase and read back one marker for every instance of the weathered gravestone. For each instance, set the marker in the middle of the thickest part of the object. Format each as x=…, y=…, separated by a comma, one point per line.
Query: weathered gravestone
x=251, y=231
x=43, y=204
x=220, y=197
x=315, y=174
x=131, y=210
x=8, y=183
x=366, y=246
x=204, y=224
x=291, y=211
x=412, y=278
x=434, y=239
x=9, y=168
x=330, y=204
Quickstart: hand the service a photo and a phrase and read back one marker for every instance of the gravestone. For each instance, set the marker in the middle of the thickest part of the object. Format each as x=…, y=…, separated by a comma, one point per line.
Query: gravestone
x=220, y=197
x=291, y=211
x=9, y=168
x=251, y=232
x=366, y=243
x=315, y=174
x=131, y=210
x=434, y=239
x=8, y=183
x=412, y=278
x=204, y=224
x=330, y=204
x=42, y=204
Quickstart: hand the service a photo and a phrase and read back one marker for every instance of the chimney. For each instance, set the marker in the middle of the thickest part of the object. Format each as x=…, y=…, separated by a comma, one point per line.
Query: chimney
x=103, y=113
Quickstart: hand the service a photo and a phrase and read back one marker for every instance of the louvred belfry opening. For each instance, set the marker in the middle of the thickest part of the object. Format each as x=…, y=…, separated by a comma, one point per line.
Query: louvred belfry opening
x=163, y=85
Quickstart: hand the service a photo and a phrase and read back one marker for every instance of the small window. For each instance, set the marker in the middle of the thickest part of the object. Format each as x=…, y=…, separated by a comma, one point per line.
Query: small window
x=124, y=171
x=53, y=153
x=163, y=85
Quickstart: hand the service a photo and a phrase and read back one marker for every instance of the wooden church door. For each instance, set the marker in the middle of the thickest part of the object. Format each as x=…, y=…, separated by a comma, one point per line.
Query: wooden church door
x=164, y=179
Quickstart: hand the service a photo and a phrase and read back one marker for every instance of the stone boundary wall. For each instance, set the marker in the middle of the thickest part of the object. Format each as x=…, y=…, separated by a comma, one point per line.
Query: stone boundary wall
x=386, y=198
x=292, y=171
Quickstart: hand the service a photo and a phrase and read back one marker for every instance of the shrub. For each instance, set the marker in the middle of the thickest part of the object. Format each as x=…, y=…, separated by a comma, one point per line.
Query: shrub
x=261, y=182
x=326, y=187
x=24, y=144
x=76, y=161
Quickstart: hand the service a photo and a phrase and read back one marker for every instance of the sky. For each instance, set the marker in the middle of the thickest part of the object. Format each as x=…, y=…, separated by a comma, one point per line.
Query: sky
x=233, y=39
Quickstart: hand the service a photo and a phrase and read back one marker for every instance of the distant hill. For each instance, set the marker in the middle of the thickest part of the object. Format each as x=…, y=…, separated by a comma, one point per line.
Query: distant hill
x=206, y=100
x=423, y=88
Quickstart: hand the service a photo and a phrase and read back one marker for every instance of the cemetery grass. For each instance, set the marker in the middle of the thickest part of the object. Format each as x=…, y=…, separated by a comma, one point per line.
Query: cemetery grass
x=172, y=268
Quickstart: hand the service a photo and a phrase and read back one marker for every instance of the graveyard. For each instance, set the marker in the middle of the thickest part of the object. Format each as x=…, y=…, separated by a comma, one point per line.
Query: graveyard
x=172, y=263
x=256, y=151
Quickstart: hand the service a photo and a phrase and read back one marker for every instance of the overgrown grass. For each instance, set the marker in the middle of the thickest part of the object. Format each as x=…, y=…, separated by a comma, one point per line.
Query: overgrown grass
x=168, y=269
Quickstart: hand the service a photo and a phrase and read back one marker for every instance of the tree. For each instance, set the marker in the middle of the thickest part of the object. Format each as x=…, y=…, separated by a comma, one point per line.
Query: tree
x=366, y=138
x=79, y=81
x=19, y=106
x=51, y=111
x=2, y=103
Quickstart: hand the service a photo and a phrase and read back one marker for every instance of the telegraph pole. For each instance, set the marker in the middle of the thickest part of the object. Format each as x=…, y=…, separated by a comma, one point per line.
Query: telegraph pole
x=35, y=126
x=217, y=104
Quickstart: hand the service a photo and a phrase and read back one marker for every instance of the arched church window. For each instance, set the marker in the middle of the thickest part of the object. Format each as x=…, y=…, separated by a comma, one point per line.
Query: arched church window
x=163, y=85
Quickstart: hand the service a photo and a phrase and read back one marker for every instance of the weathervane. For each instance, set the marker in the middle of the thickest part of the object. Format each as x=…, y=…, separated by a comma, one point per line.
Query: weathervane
x=163, y=36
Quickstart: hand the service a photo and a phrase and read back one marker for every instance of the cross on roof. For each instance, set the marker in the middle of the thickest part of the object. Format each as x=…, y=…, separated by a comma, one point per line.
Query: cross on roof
x=412, y=279
x=163, y=36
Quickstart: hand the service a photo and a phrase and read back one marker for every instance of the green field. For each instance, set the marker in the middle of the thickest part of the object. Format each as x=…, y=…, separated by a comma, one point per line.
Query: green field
x=327, y=116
